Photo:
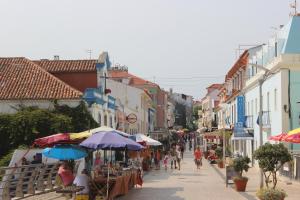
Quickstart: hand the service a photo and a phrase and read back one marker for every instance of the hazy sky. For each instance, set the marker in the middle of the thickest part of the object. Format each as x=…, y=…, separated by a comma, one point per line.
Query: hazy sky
x=184, y=44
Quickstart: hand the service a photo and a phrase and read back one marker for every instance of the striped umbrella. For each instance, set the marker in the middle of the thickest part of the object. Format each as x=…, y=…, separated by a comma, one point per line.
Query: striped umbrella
x=279, y=137
x=294, y=138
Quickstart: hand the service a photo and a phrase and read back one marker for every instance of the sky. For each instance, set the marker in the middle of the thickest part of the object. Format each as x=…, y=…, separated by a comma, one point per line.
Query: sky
x=181, y=44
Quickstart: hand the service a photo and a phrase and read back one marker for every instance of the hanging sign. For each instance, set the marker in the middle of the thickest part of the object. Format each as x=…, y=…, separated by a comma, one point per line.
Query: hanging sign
x=131, y=118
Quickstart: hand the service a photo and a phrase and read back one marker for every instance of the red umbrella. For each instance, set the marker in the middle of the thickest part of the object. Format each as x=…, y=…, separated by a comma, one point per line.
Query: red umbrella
x=295, y=138
x=53, y=139
x=278, y=137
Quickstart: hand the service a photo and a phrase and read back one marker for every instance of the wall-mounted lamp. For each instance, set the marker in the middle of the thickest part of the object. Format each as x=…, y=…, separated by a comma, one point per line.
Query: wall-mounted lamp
x=285, y=108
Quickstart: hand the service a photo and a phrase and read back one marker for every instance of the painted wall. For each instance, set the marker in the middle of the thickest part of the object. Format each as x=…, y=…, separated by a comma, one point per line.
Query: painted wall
x=274, y=105
x=294, y=105
x=132, y=100
x=80, y=80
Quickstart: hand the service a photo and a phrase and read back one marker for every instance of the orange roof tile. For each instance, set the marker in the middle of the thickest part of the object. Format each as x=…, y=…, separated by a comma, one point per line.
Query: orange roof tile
x=134, y=80
x=239, y=64
x=215, y=86
x=56, y=66
x=21, y=78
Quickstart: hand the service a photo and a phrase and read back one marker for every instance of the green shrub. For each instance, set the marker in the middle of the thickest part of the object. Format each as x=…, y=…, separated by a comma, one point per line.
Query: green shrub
x=241, y=164
x=271, y=157
x=219, y=152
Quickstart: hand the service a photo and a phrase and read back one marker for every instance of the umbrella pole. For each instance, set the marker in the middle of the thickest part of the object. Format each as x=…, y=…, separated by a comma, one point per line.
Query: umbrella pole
x=108, y=177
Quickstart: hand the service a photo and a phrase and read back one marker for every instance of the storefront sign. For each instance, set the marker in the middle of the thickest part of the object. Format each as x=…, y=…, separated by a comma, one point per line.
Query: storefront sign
x=131, y=118
x=241, y=109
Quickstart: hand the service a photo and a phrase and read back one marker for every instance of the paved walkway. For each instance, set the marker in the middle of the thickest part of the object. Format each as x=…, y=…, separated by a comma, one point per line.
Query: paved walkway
x=190, y=184
x=187, y=184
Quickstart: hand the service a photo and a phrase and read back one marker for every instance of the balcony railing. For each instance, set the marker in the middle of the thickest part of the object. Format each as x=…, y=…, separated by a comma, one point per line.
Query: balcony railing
x=249, y=121
x=266, y=118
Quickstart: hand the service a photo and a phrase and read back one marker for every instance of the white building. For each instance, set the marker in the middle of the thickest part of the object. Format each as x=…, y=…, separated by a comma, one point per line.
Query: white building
x=209, y=102
x=134, y=101
x=280, y=90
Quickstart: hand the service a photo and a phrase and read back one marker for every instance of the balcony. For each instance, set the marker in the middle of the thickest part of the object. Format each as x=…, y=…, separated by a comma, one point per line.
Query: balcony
x=249, y=121
x=266, y=122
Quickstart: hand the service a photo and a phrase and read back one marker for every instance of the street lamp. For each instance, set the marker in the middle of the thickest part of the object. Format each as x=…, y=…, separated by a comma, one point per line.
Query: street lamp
x=261, y=80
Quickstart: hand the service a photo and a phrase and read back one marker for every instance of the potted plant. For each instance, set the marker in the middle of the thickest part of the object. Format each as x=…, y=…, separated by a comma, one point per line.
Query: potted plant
x=240, y=164
x=219, y=154
x=271, y=157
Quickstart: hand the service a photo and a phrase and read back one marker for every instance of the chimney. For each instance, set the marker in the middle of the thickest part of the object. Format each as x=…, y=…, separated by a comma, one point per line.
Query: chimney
x=56, y=57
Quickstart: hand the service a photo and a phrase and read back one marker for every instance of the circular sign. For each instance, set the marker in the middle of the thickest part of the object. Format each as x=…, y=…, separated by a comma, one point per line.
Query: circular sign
x=131, y=118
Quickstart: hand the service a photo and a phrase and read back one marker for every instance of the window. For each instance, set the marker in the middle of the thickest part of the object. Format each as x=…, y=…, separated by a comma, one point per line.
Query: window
x=255, y=105
x=110, y=122
x=248, y=108
x=268, y=101
x=275, y=99
x=251, y=107
x=105, y=120
x=275, y=49
x=99, y=119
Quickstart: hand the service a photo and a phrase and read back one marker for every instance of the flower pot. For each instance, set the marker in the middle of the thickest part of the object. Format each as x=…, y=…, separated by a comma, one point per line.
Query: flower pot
x=221, y=164
x=240, y=184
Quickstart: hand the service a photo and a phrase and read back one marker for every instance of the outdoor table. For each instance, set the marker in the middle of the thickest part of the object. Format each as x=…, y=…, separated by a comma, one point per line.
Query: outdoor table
x=73, y=189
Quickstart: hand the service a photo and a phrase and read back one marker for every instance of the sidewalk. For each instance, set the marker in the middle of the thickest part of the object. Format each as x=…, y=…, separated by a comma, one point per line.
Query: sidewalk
x=292, y=190
x=186, y=184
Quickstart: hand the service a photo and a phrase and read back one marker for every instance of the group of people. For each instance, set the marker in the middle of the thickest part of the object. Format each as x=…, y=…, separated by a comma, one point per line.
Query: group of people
x=175, y=155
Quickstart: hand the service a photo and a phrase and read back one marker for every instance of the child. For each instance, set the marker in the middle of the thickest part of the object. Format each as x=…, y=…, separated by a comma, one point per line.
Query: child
x=166, y=161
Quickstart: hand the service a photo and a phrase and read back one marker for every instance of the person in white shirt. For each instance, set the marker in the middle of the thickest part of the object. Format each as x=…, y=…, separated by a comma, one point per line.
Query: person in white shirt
x=82, y=180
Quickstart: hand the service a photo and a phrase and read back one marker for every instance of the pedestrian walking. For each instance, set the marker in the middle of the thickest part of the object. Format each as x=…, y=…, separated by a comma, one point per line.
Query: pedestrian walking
x=178, y=157
x=182, y=150
x=173, y=157
x=166, y=158
x=198, y=157
x=157, y=160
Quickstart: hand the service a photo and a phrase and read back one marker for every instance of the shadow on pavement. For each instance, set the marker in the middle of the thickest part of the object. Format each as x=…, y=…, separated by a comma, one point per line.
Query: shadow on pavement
x=168, y=193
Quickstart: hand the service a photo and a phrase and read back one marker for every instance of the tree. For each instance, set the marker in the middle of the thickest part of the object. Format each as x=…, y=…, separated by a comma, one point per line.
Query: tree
x=81, y=118
x=271, y=157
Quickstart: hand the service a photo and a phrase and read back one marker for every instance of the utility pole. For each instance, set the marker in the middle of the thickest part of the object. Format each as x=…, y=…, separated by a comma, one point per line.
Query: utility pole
x=260, y=82
x=267, y=73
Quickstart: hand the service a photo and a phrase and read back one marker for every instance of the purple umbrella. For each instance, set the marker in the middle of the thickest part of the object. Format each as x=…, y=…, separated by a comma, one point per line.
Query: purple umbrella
x=110, y=140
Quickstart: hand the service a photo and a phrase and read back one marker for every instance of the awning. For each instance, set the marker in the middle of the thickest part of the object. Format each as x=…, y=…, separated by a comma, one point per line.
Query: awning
x=211, y=135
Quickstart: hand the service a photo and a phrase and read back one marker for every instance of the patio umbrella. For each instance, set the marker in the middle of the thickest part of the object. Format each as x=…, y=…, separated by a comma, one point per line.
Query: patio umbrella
x=294, y=138
x=51, y=140
x=294, y=131
x=110, y=140
x=278, y=137
x=65, y=152
x=88, y=133
x=143, y=138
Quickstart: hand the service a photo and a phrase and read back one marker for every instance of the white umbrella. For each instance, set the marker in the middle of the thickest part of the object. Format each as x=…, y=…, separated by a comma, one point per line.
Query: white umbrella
x=149, y=141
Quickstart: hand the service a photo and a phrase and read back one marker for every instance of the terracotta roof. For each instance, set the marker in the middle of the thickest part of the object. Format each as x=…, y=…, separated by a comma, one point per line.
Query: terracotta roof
x=134, y=80
x=57, y=66
x=21, y=78
x=215, y=86
x=239, y=64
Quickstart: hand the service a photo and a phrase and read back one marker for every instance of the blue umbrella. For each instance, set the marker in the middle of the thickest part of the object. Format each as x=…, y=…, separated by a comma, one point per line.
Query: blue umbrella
x=110, y=140
x=65, y=152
